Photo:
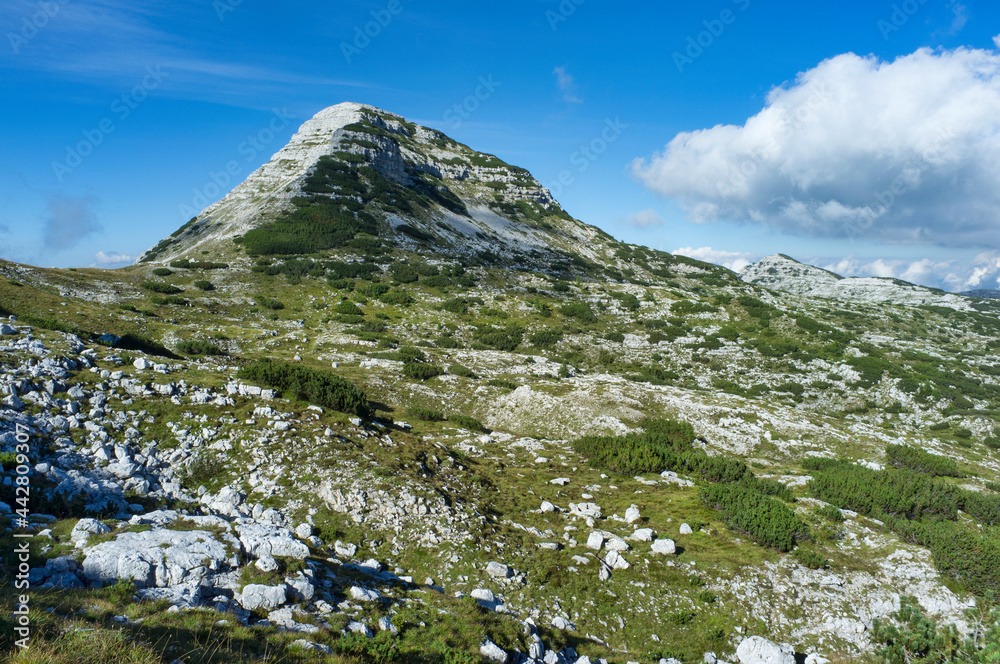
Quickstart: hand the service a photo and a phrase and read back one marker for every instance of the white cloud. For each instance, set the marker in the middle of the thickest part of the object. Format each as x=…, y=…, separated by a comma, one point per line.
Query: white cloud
x=644, y=219
x=734, y=260
x=112, y=260
x=902, y=152
x=567, y=85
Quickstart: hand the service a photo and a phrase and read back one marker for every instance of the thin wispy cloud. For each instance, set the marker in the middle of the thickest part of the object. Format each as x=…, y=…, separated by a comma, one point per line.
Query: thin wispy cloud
x=643, y=219
x=131, y=41
x=567, y=85
x=960, y=17
x=69, y=220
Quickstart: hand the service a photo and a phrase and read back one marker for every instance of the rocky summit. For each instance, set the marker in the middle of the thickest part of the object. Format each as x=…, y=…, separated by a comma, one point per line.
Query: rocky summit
x=388, y=401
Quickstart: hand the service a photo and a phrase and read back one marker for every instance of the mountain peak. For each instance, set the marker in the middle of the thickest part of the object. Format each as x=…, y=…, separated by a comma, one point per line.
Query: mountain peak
x=367, y=162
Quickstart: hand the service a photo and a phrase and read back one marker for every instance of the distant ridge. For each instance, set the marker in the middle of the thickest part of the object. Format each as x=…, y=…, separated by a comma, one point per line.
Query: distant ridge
x=989, y=293
x=784, y=273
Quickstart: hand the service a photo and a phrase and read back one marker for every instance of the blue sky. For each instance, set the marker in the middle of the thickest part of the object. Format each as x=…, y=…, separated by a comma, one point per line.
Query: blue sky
x=118, y=115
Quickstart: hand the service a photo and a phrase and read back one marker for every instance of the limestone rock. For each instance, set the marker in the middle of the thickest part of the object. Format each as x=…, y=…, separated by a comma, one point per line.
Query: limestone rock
x=758, y=650
x=263, y=540
x=664, y=546
x=260, y=597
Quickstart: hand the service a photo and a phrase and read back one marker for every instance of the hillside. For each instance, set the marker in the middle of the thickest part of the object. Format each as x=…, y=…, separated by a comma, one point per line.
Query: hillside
x=387, y=401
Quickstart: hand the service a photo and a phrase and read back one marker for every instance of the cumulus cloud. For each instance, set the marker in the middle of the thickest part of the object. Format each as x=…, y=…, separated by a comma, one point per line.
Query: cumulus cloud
x=644, y=219
x=734, y=260
x=903, y=152
x=567, y=85
x=69, y=220
x=111, y=260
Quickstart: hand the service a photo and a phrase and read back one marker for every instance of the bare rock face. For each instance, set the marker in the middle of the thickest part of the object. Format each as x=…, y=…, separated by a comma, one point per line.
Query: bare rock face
x=758, y=650
x=156, y=558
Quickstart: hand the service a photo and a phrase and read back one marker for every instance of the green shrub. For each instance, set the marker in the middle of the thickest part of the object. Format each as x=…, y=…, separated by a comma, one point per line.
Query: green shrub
x=765, y=520
x=790, y=388
x=456, y=305
x=446, y=342
x=168, y=300
x=8, y=461
x=982, y=507
x=628, y=301
x=198, y=265
x=436, y=281
x=655, y=375
x=204, y=285
x=322, y=388
x=499, y=382
x=464, y=372
x=426, y=414
x=831, y=513
x=919, y=461
x=159, y=287
x=372, y=290
x=395, y=297
x=420, y=371
x=269, y=302
x=505, y=339
x=404, y=273
x=617, y=337
x=203, y=469
x=411, y=354
x=348, y=308
x=121, y=592
x=382, y=649
x=546, y=338
x=466, y=422
x=910, y=637
x=899, y=493
x=316, y=225
x=196, y=347
x=810, y=559
x=960, y=553
x=684, y=307
x=163, y=272
x=580, y=311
